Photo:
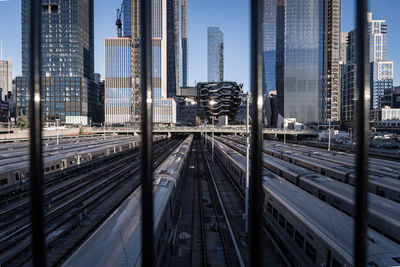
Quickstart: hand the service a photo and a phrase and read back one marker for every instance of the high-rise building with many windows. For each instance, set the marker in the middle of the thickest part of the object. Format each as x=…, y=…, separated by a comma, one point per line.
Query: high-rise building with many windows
x=184, y=42
x=381, y=77
x=118, y=80
x=67, y=65
x=5, y=77
x=215, y=59
x=300, y=59
x=166, y=52
x=332, y=51
x=269, y=27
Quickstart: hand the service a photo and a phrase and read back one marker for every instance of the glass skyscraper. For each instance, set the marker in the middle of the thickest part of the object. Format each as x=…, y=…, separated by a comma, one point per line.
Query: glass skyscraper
x=67, y=65
x=215, y=41
x=300, y=43
x=184, y=42
x=269, y=27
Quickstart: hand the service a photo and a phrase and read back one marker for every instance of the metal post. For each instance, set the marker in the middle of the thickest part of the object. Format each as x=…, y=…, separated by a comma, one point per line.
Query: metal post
x=256, y=82
x=329, y=135
x=35, y=144
x=57, y=129
x=284, y=137
x=247, y=165
x=212, y=147
x=104, y=130
x=362, y=96
x=147, y=138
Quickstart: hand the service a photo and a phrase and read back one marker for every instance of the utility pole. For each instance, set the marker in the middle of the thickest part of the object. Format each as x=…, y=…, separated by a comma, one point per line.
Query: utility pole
x=57, y=129
x=212, y=153
x=329, y=135
x=247, y=164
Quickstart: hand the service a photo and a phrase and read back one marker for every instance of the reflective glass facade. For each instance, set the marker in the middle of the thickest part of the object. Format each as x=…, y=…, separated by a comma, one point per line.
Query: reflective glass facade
x=127, y=18
x=215, y=62
x=300, y=59
x=67, y=60
x=269, y=27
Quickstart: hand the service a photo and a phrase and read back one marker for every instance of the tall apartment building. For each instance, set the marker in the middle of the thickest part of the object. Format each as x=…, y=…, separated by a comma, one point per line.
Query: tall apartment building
x=269, y=28
x=332, y=75
x=5, y=77
x=300, y=59
x=381, y=77
x=67, y=65
x=215, y=50
x=118, y=80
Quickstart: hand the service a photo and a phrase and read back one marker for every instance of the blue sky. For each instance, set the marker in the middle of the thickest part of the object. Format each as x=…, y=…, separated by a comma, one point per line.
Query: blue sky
x=232, y=16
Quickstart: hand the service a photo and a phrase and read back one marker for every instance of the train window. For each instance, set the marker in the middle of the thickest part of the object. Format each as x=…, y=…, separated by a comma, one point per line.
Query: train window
x=322, y=196
x=289, y=229
x=52, y=168
x=269, y=208
x=311, y=252
x=16, y=176
x=335, y=263
x=299, y=240
x=57, y=166
x=3, y=181
x=275, y=213
x=47, y=169
x=282, y=221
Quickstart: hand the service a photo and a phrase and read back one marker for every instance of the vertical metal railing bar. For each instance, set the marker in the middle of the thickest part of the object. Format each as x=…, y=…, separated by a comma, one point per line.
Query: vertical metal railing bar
x=36, y=164
x=362, y=94
x=256, y=83
x=146, y=127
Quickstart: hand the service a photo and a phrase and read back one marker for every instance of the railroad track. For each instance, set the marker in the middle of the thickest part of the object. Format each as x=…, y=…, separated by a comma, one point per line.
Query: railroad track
x=72, y=219
x=216, y=235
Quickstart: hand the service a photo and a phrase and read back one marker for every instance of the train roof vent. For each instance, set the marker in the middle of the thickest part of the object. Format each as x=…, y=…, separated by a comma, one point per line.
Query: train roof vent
x=371, y=239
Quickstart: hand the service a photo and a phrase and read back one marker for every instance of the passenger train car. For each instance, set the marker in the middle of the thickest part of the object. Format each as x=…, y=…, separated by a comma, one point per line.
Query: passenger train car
x=14, y=177
x=384, y=214
x=310, y=232
x=117, y=242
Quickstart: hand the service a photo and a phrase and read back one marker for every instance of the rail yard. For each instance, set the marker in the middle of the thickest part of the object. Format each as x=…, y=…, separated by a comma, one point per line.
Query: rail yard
x=92, y=204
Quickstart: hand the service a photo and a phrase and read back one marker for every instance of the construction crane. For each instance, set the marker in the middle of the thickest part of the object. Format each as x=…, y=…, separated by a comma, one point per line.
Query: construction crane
x=118, y=22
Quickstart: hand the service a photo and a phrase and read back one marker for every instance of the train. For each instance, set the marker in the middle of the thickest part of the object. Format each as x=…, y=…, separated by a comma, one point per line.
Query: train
x=117, y=242
x=309, y=231
x=384, y=214
x=15, y=177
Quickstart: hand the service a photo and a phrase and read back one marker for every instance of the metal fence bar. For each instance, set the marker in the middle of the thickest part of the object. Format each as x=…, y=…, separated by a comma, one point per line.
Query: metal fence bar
x=256, y=68
x=362, y=126
x=146, y=122
x=36, y=164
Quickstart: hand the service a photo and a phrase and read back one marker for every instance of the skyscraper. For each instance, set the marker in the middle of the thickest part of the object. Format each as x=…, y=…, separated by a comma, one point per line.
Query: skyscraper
x=215, y=62
x=300, y=59
x=269, y=27
x=332, y=78
x=118, y=80
x=67, y=65
x=174, y=48
x=381, y=77
x=184, y=42
x=166, y=55
x=5, y=77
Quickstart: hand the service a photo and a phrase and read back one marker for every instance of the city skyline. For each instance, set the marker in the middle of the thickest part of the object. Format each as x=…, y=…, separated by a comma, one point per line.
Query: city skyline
x=236, y=49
